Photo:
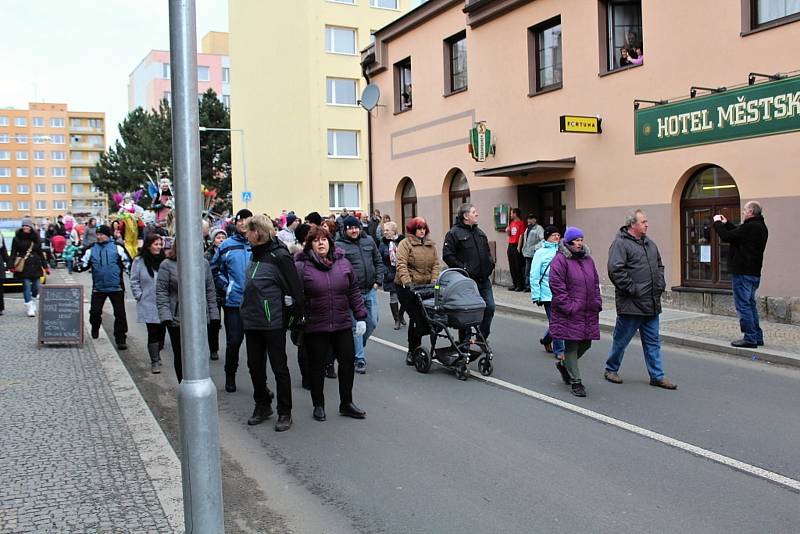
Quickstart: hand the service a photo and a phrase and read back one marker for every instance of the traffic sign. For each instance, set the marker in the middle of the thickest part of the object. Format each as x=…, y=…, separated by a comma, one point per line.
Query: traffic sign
x=247, y=196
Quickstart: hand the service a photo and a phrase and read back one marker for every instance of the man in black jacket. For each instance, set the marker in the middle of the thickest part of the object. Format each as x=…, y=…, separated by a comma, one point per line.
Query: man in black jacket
x=636, y=270
x=467, y=247
x=748, y=241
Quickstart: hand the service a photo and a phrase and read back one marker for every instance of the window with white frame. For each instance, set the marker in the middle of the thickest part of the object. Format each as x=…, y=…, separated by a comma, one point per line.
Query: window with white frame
x=23, y=189
x=77, y=172
x=41, y=204
x=39, y=139
x=203, y=74
x=75, y=122
x=57, y=139
x=5, y=189
x=3, y=120
x=59, y=188
x=39, y=172
x=23, y=205
x=5, y=154
x=56, y=122
x=59, y=204
x=3, y=138
x=21, y=139
x=5, y=205
x=343, y=143
x=165, y=72
x=40, y=188
x=38, y=155
x=58, y=155
x=38, y=122
x=59, y=172
x=385, y=4
x=340, y=91
x=340, y=40
x=344, y=195
x=226, y=75
x=77, y=189
x=5, y=172
x=22, y=155
x=20, y=121
x=95, y=141
x=226, y=101
x=23, y=172
x=97, y=124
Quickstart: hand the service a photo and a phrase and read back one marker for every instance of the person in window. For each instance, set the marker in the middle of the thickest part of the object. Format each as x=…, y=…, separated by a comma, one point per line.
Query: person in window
x=637, y=56
x=624, y=57
x=168, y=301
x=417, y=264
x=272, y=301
x=331, y=294
x=143, y=286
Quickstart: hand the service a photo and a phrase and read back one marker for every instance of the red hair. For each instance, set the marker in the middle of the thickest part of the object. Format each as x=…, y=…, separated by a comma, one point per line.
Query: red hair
x=415, y=224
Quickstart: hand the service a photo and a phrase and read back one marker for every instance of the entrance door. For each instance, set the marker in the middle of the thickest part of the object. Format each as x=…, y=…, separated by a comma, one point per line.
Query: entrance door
x=711, y=191
x=408, y=203
x=548, y=202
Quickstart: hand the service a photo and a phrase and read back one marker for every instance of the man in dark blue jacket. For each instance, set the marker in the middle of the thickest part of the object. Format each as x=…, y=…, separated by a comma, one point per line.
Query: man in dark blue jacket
x=229, y=267
x=108, y=261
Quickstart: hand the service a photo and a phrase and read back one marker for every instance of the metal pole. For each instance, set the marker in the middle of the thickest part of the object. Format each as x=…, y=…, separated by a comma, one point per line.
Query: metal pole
x=197, y=395
x=244, y=169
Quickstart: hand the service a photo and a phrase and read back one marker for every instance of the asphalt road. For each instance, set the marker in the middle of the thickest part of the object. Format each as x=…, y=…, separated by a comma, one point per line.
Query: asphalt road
x=439, y=455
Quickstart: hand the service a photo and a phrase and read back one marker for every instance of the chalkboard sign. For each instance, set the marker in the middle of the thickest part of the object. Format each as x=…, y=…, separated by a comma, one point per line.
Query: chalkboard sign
x=61, y=314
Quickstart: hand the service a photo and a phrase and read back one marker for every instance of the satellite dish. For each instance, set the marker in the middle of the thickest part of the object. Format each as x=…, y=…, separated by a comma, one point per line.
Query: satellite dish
x=370, y=97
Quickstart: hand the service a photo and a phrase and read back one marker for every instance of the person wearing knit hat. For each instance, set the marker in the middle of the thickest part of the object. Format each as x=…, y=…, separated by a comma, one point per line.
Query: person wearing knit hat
x=539, y=281
x=27, y=221
x=242, y=214
x=576, y=305
x=350, y=221
x=105, y=230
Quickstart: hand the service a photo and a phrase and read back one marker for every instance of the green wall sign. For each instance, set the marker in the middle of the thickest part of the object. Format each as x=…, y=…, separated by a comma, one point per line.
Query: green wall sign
x=753, y=111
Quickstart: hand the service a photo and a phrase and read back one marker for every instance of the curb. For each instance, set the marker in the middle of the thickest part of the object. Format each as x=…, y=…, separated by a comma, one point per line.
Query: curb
x=160, y=461
x=684, y=340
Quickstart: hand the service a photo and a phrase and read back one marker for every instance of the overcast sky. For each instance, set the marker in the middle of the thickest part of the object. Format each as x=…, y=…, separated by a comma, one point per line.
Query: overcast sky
x=81, y=52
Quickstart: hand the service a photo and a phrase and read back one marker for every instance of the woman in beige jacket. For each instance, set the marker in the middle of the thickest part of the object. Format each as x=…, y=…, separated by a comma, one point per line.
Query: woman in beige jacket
x=417, y=264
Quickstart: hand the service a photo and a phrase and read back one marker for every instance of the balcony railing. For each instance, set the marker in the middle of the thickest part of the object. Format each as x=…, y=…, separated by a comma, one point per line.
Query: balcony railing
x=88, y=146
x=85, y=129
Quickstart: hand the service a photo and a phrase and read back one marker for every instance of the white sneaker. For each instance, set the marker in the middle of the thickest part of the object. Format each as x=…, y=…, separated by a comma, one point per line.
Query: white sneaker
x=30, y=310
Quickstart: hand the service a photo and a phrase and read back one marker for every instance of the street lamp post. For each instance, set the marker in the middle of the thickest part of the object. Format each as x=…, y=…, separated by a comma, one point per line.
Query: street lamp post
x=244, y=162
x=197, y=395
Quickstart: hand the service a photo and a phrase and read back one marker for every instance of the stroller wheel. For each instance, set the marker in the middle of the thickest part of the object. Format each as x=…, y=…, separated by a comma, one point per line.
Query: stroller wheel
x=462, y=371
x=485, y=366
x=422, y=360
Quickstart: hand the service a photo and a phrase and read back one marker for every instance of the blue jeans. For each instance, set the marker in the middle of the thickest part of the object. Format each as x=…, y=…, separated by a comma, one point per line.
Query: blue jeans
x=624, y=330
x=371, y=303
x=485, y=289
x=30, y=288
x=558, y=344
x=744, y=298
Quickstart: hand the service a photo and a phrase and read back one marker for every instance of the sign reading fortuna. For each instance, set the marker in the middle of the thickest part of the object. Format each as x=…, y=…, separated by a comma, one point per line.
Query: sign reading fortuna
x=481, y=143
x=754, y=111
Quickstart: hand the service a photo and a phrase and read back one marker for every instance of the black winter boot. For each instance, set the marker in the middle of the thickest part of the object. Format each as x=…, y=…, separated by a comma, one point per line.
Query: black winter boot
x=395, y=307
x=152, y=350
x=261, y=413
x=230, y=382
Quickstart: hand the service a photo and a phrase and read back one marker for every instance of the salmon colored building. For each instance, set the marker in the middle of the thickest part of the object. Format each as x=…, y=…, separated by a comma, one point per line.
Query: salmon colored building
x=699, y=114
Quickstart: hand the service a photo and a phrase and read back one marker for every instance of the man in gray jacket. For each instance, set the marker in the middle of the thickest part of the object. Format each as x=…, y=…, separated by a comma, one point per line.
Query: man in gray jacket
x=362, y=252
x=636, y=270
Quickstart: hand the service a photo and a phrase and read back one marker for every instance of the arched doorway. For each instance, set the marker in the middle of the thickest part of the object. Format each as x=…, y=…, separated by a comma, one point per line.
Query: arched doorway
x=459, y=193
x=710, y=191
x=408, y=203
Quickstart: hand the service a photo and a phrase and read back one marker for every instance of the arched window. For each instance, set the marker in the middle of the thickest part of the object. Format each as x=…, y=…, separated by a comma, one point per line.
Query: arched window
x=709, y=192
x=459, y=193
x=408, y=203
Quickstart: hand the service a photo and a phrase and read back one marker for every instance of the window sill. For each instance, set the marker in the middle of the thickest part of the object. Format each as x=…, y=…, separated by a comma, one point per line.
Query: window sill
x=342, y=105
x=548, y=89
x=451, y=93
x=339, y=53
x=696, y=289
x=621, y=69
x=771, y=24
x=403, y=111
x=385, y=8
x=343, y=157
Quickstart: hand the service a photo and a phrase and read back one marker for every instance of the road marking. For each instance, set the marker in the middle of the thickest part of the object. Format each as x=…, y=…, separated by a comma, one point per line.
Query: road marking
x=655, y=436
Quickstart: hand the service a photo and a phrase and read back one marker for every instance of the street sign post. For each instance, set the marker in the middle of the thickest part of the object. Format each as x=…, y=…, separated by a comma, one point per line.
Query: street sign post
x=247, y=196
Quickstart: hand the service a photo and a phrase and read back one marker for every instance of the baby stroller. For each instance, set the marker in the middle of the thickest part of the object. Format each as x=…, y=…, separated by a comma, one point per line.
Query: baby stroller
x=57, y=245
x=453, y=302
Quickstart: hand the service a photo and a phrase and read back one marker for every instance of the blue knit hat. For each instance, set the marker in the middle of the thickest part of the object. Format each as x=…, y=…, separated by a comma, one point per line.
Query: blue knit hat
x=350, y=221
x=572, y=233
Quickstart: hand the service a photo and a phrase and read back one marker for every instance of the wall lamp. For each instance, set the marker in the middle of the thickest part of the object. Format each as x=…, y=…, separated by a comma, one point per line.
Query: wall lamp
x=656, y=102
x=693, y=90
x=751, y=78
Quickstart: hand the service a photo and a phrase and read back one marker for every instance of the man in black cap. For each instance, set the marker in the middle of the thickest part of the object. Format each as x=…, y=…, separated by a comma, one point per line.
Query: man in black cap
x=314, y=219
x=229, y=267
x=108, y=261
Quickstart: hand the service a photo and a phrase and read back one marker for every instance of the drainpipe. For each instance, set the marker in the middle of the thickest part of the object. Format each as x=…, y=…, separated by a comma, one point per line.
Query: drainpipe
x=369, y=148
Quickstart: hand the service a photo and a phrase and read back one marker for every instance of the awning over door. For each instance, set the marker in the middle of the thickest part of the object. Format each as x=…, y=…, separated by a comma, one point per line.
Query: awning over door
x=531, y=167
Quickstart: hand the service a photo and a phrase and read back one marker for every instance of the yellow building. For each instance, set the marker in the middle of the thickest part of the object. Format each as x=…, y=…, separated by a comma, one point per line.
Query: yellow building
x=295, y=101
x=46, y=153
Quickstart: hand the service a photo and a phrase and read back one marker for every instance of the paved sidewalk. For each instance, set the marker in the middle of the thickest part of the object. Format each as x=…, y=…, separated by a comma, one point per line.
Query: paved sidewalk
x=697, y=330
x=79, y=449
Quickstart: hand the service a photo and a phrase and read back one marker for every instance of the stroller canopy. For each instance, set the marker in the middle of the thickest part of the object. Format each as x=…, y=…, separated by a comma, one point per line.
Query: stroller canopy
x=456, y=291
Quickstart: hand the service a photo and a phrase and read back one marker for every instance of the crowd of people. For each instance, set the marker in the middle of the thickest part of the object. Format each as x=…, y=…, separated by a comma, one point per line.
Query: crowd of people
x=317, y=280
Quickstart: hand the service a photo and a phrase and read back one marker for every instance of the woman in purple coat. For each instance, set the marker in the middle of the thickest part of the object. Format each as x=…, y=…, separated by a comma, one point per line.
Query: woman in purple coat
x=331, y=294
x=575, y=312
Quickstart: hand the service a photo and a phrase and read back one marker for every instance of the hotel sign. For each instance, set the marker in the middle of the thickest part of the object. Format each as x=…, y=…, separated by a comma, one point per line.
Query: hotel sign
x=578, y=124
x=753, y=111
